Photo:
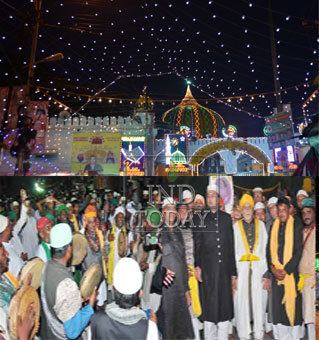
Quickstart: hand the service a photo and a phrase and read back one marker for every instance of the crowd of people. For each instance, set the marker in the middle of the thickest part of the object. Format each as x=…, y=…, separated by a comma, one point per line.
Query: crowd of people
x=172, y=267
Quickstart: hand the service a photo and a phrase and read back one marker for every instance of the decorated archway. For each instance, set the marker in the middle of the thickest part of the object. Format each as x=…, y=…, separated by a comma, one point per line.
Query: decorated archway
x=233, y=145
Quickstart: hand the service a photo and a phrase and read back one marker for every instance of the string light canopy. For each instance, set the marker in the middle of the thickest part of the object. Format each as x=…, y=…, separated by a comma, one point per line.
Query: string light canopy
x=222, y=47
x=201, y=120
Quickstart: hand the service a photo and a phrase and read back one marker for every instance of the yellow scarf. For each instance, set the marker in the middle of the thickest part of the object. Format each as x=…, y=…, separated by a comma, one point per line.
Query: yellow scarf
x=14, y=281
x=249, y=256
x=110, y=262
x=193, y=285
x=289, y=283
x=75, y=223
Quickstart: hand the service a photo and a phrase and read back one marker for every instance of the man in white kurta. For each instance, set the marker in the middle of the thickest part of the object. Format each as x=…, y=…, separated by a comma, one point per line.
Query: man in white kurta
x=250, y=298
x=29, y=235
x=307, y=273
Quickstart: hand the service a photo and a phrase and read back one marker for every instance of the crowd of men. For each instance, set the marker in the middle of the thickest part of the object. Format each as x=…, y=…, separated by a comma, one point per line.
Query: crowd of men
x=173, y=268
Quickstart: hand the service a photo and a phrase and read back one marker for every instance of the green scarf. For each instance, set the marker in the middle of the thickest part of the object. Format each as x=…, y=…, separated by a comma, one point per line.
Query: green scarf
x=47, y=250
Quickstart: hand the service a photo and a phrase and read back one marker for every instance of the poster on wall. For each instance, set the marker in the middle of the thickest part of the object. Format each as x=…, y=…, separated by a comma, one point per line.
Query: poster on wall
x=176, y=154
x=38, y=113
x=96, y=153
x=225, y=187
x=4, y=92
x=133, y=156
x=17, y=106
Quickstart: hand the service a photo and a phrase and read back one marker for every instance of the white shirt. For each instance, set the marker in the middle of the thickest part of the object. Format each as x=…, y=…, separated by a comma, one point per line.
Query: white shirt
x=41, y=253
x=4, y=325
x=15, y=261
x=29, y=237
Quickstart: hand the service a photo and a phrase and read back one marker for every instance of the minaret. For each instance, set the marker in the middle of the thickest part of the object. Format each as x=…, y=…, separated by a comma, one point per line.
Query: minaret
x=144, y=110
x=167, y=150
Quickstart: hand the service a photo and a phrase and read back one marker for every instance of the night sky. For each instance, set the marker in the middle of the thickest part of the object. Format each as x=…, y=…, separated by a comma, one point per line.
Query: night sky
x=222, y=46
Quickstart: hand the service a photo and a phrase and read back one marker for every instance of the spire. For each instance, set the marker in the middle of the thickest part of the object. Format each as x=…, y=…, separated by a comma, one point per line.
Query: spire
x=189, y=98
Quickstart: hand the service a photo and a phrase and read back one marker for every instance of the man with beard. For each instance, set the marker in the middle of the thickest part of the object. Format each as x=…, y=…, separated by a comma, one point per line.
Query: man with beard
x=43, y=250
x=185, y=213
x=250, y=298
x=174, y=320
x=7, y=289
x=272, y=212
x=307, y=274
x=258, y=195
x=9, y=231
x=117, y=246
x=284, y=253
x=215, y=267
x=60, y=296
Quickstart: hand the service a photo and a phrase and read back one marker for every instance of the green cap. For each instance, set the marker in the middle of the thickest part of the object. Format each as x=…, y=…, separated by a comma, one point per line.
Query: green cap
x=153, y=217
x=60, y=208
x=308, y=202
x=12, y=215
x=51, y=217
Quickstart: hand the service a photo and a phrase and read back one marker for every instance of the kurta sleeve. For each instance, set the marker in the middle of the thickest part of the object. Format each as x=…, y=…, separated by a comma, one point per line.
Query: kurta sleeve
x=293, y=264
x=21, y=221
x=232, y=258
x=76, y=325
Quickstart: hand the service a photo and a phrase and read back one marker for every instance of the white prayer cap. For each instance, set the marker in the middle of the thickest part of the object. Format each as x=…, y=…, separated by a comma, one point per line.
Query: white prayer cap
x=124, y=269
x=15, y=204
x=272, y=200
x=116, y=194
x=73, y=199
x=168, y=201
x=258, y=189
x=145, y=192
x=155, y=192
x=60, y=235
x=259, y=205
x=302, y=193
x=69, y=205
x=119, y=210
x=212, y=187
x=3, y=223
x=187, y=194
x=107, y=190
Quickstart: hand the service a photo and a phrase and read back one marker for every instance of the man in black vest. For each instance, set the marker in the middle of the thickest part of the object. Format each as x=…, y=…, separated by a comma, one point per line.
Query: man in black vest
x=123, y=318
x=63, y=314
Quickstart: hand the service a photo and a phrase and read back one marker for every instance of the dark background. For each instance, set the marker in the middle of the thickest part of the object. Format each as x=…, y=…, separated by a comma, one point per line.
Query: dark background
x=205, y=41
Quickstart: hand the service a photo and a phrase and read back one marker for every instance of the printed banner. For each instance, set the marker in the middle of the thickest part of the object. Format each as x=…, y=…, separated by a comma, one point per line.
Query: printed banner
x=96, y=153
x=4, y=92
x=38, y=112
x=133, y=156
x=175, y=149
x=226, y=190
x=17, y=106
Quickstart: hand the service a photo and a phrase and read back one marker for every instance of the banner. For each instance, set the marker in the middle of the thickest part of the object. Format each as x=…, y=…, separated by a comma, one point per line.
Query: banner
x=225, y=190
x=38, y=113
x=279, y=128
x=133, y=156
x=96, y=153
x=4, y=92
x=17, y=106
x=176, y=154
